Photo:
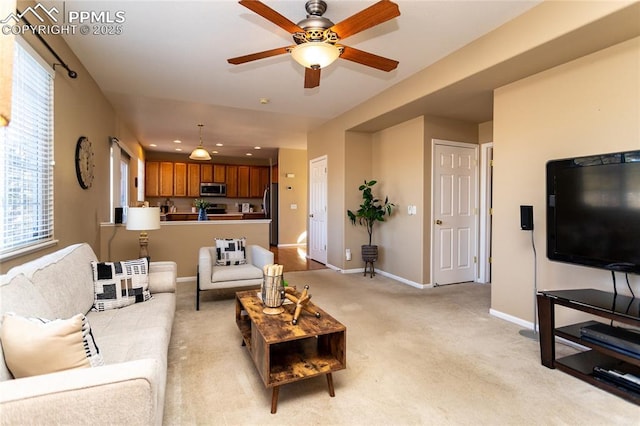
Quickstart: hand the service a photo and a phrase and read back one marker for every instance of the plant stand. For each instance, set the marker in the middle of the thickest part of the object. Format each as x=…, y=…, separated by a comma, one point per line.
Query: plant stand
x=369, y=255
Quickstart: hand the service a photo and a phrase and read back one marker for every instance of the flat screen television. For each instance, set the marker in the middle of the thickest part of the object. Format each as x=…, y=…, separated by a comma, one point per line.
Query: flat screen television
x=593, y=211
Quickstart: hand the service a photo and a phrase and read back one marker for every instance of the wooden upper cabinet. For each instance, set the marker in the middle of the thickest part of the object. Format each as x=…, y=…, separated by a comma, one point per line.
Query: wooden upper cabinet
x=152, y=179
x=206, y=173
x=166, y=179
x=258, y=181
x=219, y=173
x=232, y=181
x=274, y=174
x=179, y=179
x=193, y=180
x=243, y=181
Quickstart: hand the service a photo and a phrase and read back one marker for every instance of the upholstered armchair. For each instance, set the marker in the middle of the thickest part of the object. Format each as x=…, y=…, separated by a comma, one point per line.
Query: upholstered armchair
x=219, y=270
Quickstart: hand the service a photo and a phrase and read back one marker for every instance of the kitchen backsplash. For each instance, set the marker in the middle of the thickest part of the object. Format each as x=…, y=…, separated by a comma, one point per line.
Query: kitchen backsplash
x=233, y=205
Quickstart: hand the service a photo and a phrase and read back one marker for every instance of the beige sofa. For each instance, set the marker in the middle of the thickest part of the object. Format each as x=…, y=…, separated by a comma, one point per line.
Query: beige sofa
x=212, y=277
x=133, y=341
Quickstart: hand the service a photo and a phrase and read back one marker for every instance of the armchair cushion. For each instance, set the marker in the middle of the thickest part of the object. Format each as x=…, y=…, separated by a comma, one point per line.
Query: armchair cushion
x=237, y=273
x=231, y=251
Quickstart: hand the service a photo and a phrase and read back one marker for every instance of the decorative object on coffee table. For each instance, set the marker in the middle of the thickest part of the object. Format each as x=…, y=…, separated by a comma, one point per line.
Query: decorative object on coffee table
x=272, y=290
x=371, y=211
x=301, y=302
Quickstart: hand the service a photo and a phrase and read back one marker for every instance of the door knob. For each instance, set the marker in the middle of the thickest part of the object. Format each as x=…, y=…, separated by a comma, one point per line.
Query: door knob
x=311, y=215
x=438, y=222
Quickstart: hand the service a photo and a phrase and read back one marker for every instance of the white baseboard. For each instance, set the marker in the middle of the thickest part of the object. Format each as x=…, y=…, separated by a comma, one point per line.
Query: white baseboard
x=384, y=274
x=185, y=279
x=511, y=318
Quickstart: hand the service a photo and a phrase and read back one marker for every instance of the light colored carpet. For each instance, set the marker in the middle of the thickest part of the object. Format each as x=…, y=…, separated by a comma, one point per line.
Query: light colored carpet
x=430, y=357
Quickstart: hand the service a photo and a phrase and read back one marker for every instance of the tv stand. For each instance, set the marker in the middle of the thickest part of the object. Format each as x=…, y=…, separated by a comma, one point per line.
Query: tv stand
x=622, y=309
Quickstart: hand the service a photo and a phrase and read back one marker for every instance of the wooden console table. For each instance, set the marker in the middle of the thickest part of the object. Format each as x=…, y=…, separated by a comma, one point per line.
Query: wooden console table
x=618, y=308
x=284, y=352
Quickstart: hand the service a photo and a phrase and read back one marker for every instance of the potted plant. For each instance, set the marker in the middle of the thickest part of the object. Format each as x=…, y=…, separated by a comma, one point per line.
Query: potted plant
x=201, y=204
x=371, y=211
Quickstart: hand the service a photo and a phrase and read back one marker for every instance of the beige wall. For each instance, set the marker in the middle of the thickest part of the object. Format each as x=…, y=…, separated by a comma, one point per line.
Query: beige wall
x=292, y=222
x=398, y=167
x=588, y=106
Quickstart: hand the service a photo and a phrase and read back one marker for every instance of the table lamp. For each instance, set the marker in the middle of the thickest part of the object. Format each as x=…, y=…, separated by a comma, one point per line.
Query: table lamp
x=143, y=219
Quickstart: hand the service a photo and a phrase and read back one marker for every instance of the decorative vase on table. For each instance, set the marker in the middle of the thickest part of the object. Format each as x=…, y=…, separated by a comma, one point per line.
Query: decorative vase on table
x=202, y=214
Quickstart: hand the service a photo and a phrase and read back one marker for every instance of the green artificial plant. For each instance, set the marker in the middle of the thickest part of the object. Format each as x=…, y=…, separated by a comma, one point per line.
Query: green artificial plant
x=371, y=210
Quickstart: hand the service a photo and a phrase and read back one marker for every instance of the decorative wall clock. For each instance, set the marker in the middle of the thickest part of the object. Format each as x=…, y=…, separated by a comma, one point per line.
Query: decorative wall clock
x=84, y=162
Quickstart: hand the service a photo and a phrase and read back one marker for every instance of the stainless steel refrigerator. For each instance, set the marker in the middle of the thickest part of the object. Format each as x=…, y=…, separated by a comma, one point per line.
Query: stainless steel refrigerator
x=270, y=203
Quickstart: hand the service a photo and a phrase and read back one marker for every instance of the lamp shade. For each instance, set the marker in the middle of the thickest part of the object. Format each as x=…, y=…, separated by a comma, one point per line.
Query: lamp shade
x=315, y=53
x=143, y=218
x=200, y=154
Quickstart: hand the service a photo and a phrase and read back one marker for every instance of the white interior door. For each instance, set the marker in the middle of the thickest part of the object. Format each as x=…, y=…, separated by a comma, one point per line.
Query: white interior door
x=454, y=212
x=318, y=209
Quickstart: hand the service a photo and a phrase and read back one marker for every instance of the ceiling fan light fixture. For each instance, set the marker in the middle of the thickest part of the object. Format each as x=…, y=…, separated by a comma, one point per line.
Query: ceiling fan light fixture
x=315, y=54
x=200, y=153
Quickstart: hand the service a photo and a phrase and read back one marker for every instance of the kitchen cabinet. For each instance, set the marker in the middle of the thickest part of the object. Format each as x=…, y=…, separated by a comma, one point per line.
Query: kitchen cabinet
x=179, y=179
x=219, y=173
x=166, y=179
x=182, y=179
x=159, y=179
x=232, y=181
x=152, y=179
x=258, y=181
x=206, y=173
x=274, y=174
x=243, y=181
x=193, y=180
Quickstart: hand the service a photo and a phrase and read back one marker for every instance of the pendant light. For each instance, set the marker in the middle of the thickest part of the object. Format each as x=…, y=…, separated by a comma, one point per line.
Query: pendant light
x=200, y=153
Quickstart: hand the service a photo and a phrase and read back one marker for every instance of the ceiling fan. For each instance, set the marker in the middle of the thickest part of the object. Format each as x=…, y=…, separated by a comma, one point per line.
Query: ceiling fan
x=316, y=37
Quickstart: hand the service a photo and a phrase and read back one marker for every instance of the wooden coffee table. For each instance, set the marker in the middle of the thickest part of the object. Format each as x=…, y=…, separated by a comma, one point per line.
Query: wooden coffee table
x=285, y=353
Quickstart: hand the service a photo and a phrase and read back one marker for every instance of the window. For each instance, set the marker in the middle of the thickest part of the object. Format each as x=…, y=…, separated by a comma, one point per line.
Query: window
x=120, y=159
x=26, y=157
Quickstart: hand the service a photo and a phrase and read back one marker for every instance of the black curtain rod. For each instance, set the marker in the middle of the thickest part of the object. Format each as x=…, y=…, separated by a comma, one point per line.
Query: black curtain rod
x=72, y=74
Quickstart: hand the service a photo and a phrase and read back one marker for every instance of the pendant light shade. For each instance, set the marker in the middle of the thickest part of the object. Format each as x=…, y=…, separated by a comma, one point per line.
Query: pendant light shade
x=315, y=54
x=200, y=153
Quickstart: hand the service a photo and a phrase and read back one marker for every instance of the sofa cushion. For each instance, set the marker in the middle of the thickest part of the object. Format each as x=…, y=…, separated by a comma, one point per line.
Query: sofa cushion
x=63, y=278
x=118, y=284
x=34, y=346
x=231, y=251
x=235, y=273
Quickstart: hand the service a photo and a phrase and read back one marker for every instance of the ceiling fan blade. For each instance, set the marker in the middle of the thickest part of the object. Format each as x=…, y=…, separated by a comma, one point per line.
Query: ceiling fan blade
x=259, y=55
x=369, y=59
x=311, y=78
x=271, y=15
x=370, y=17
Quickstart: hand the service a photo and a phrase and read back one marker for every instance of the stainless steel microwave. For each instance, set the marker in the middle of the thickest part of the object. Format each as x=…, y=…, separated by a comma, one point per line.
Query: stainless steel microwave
x=213, y=189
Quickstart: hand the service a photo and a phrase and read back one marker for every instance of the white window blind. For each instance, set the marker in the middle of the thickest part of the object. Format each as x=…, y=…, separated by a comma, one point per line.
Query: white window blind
x=26, y=156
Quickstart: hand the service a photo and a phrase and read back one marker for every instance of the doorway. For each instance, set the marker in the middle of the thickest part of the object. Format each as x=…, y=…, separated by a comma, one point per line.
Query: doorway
x=454, y=212
x=318, y=209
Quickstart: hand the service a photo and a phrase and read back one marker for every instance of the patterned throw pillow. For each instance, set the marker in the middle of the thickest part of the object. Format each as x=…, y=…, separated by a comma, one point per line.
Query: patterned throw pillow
x=118, y=284
x=230, y=251
x=34, y=346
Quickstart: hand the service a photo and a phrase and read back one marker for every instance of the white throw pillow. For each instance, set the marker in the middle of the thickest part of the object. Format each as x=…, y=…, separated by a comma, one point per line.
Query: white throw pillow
x=231, y=251
x=118, y=284
x=34, y=346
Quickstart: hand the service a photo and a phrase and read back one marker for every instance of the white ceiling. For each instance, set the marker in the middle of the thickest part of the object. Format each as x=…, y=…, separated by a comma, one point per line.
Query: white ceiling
x=167, y=71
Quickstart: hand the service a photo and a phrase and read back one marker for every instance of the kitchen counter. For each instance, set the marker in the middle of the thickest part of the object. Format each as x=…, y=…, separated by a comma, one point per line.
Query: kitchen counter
x=221, y=216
